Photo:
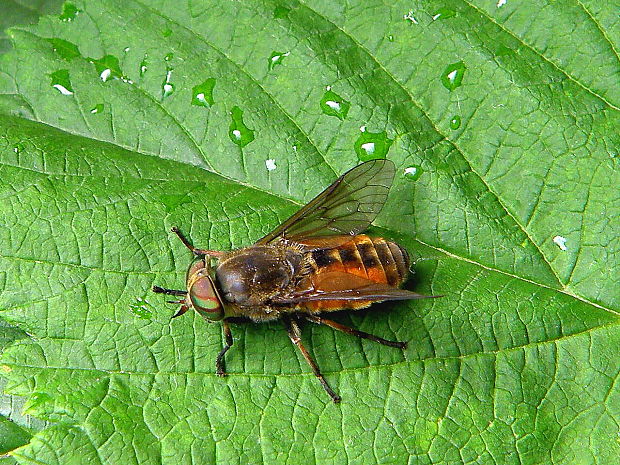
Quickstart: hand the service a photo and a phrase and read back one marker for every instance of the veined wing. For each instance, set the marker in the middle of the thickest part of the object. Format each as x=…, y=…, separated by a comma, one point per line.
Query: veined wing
x=347, y=207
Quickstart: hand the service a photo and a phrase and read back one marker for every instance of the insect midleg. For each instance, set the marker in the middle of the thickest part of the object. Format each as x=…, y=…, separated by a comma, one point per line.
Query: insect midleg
x=294, y=333
x=228, y=342
x=195, y=251
x=355, y=332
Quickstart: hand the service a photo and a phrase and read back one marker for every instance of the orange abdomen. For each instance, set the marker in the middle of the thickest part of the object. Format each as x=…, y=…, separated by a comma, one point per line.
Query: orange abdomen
x=372, y=258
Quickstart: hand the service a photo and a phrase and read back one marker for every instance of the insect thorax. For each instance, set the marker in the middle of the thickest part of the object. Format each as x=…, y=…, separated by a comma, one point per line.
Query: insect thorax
x=250, y=277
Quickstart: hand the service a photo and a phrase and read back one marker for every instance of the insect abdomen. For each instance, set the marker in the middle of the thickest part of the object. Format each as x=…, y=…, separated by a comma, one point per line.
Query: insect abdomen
x=373, y=258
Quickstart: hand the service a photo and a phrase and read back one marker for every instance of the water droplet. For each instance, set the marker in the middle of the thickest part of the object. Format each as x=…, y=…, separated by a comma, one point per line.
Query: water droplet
x=453, y=75
x=202, y=94
x=409, y=17
x=62, y=82
x=413, y=172
x=443, y=13
x=276, y=58
x=502, y=50
x=19, y=147
x=167, y=88
x=108, y=67
x=141, y=309
x=333, y=104
x=169, y=56
x=390, y=38
x=69, y=12
x=126, y=49
x=455, y=122
x=270, y=164
x=370, y=145
x=97, y=108
x=239, y=133
x=143, y=66
x=363, y=128
x=501, y=3
x=172, y=201
x=64, y=48
x=281, y=12
x=560, y=242
x=167, y=32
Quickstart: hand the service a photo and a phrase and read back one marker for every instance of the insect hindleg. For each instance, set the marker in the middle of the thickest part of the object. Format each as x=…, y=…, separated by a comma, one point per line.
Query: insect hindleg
x=199, y=252
x=294, y=334
x=228, y=342
x=346, y=329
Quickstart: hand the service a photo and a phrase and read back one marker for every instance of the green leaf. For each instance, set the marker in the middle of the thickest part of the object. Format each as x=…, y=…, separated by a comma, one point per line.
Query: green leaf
x=16, y=12
x=513, y=219
x=15, y=428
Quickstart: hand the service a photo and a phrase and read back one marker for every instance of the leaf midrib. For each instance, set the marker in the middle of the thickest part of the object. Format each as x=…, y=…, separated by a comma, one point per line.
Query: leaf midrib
x=281, y=198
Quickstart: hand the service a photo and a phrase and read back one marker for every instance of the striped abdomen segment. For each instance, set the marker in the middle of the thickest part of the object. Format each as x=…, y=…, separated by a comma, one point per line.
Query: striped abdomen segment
x=373, y=258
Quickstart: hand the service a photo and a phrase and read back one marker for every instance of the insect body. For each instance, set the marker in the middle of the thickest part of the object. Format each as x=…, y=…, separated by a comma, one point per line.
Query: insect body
x=315, y=262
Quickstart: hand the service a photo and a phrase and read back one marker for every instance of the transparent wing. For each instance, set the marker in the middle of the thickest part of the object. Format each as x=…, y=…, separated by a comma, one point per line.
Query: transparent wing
x=346, y=207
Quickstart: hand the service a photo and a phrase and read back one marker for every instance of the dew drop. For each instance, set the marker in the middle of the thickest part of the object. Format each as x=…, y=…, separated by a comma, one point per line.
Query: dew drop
x=270, y=164
x=443, y=13
x=108, y=67
x=281, y=12
x=452, y=76
x=560, y=242
x=238, y=132
x=143, y=66
x=62, y=82
x=141, y=309
x=167, y=88
x=371, y=145
x=67, y=50
x=277, y=58
x=202, y=94
x=97, y=108
x=333, y=104
x=19, y=147
x=501, y=3
x=455, y=122
x=169, y=56
x=390, y=38
x=69, y=12
x=409, y=17
x=126, y=49
x=413, y=172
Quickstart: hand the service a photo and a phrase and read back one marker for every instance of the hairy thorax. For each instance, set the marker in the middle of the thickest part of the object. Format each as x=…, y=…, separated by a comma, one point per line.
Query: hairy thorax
x=249, y=278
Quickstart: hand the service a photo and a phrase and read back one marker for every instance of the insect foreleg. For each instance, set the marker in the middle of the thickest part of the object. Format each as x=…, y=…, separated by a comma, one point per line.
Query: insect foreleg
x=195, y=251
x=228, y=342
x=346, y=329
x=294, y=334
x=161, y=290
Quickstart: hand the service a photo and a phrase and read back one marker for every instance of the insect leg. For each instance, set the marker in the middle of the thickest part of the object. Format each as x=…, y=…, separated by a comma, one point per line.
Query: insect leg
x=346, y=329
x=228, y=342
x=295, y=335
x=195, y=251
x=161, y=290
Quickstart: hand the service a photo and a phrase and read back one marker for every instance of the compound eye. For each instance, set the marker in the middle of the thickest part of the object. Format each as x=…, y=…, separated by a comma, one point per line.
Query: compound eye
x=205, y=299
